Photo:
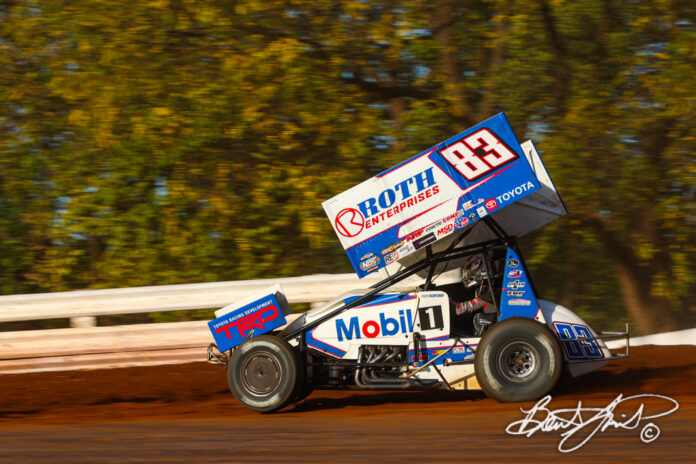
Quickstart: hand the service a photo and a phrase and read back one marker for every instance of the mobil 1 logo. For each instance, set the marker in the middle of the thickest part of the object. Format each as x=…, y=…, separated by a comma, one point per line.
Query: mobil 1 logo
x=430, y=317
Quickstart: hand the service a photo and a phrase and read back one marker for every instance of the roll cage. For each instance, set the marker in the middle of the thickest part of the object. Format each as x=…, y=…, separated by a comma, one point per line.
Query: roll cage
x=429, y=262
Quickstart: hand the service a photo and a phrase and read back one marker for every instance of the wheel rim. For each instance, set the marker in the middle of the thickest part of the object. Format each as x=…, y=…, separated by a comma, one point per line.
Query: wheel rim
x=518, y=361
x=261, y=373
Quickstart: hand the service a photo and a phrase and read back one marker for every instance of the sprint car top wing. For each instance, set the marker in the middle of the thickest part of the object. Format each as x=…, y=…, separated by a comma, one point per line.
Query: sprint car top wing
x=392, y=217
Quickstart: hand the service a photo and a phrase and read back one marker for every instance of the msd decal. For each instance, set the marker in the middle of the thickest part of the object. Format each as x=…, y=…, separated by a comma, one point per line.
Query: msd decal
x=384, y=326
x=445, y=230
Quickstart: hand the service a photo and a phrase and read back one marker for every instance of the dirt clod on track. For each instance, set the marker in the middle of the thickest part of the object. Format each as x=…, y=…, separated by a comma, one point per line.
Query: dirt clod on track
x=185, y=413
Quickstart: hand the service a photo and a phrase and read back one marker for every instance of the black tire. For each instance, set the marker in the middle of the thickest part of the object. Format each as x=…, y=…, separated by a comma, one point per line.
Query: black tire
x=518, y=359
x=264, y=373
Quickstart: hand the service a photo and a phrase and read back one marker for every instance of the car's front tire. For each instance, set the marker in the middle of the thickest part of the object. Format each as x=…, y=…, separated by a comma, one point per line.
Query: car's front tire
x=264, y=373
x=518, y=360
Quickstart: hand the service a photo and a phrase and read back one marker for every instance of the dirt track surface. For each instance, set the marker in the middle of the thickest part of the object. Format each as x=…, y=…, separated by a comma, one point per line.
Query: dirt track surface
x=185, y=413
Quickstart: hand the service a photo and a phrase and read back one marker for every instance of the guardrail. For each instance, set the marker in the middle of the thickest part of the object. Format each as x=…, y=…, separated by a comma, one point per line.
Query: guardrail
x=87, y=346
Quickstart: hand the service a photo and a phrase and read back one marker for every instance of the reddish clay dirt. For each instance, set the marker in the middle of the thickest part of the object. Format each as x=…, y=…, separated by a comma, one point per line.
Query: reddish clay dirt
x=185, y=413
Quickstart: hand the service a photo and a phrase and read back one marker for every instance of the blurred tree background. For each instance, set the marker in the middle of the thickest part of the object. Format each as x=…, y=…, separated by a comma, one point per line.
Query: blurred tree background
x=181, y=141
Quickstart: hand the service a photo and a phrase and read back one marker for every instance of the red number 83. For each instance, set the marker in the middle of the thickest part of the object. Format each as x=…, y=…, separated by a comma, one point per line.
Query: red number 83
x=461, y=155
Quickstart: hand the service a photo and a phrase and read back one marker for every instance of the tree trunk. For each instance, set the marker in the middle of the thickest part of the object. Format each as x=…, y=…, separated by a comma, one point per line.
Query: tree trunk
x=561, y=68
x=647, y=314
x=397, y=107
x=441, y=22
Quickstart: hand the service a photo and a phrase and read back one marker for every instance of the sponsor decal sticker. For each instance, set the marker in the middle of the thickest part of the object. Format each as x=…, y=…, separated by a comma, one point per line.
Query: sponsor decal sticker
x=569, y=333
x=392, y=247
x=433, y=226
x=349, y=222
x=481, y=210
x=390, y=202
x=445, y=230
x=519, y=302
x=349, y=329
x=515, y=293
x=515, y=284
x=432, y=295
x=369, y=262
x=391, y=257
x=452, y=216
x=460, y=222
x=421, y=242
x=414, y=235
x=479, y=153
x=517, y=191
x=406, y=249
x=259, y=317
x=514, y=274
x=491, y=204
x=513, y=263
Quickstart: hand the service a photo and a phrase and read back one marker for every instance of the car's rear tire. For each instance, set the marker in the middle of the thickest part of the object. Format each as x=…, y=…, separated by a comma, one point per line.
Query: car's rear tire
x=518, y=359
x=264, y=373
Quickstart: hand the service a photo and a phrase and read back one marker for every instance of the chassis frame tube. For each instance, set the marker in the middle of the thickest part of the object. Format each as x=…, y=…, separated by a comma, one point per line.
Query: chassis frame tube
x=449, y=254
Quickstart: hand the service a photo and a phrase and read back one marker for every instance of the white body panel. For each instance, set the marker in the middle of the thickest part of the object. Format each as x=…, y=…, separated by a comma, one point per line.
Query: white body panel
x=517, y=219
x=275, y=290
x=389, y=320
x=392, y=318
x=581, y=356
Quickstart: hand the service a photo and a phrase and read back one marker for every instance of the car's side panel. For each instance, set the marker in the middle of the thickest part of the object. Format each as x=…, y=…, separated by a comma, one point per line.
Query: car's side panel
x=582, y=356
x=517, y=297
x=389, y=319
x=385, y=320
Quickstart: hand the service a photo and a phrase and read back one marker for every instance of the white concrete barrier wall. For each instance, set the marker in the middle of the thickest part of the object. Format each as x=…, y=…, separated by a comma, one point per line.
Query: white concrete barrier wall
x=85, y=303
x=161, y=343
x=85, y=346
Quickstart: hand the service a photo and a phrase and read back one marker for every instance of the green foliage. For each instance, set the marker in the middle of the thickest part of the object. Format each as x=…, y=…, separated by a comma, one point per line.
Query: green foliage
x=182, y=141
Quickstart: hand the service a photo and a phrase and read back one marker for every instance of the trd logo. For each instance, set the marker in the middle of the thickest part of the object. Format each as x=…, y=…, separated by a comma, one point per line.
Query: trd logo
x=254, y=320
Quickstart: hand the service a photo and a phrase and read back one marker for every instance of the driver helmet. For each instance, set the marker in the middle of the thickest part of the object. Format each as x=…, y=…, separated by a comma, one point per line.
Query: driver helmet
x=473, y=271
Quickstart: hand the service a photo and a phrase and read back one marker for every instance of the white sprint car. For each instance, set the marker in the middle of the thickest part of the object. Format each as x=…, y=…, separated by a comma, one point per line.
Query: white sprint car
x=456, y=308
